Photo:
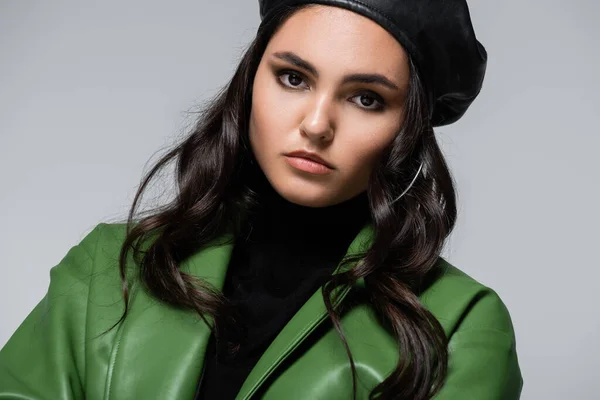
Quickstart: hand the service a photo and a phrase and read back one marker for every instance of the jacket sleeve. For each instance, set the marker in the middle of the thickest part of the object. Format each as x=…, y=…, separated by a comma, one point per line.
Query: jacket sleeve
x=45, y=357
x=483, y=363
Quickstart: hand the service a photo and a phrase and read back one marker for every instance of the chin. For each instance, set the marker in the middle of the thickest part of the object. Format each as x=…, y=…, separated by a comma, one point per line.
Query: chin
x=303, y=196
x=313, y=203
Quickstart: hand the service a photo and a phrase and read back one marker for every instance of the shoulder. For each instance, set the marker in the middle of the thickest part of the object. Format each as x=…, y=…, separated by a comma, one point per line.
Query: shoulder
x=92, y=263
x=103, y=242
x=483, y=361
x=103, y=237
x=460, y=302
x=99, y=246
x=95, y=262
x=106, y=236
x=79, y=262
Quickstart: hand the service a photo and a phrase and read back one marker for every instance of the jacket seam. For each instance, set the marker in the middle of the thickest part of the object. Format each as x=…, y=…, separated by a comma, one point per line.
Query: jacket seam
x=113, y=355
x=111, y=367
x=92, y=258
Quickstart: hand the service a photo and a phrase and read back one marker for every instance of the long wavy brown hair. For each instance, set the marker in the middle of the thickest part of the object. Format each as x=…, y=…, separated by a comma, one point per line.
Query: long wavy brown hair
x=214, y=195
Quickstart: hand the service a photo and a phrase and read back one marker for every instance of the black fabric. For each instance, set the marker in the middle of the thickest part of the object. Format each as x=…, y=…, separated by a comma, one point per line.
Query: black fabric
x=289, y=252
x=438, y=34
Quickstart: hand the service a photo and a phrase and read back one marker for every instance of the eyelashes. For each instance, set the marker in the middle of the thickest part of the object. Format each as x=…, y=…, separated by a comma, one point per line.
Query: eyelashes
x=290, y=74
x=375, y=101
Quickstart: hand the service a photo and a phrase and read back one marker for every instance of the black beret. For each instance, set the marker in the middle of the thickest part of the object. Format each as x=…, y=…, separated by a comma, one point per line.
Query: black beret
x=437, y=34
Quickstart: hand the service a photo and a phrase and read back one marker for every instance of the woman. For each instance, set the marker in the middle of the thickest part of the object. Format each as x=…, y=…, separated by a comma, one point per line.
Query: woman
x=300, y=257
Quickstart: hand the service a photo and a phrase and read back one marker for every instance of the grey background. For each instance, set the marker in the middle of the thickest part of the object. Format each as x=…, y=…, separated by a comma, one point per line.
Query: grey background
x=89, y=92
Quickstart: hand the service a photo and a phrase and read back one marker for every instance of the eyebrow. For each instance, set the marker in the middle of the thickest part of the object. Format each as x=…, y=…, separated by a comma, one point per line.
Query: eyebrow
x=296, y=60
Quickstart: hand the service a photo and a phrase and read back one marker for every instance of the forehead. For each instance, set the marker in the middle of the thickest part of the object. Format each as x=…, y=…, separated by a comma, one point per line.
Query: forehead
x=336, y=37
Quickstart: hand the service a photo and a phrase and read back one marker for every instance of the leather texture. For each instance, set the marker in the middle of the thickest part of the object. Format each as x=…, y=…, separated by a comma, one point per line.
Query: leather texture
x=157, y=352
x=438, y=34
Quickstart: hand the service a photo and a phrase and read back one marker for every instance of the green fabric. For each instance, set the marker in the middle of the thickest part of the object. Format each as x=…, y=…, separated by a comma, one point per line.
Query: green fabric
x=157, y=352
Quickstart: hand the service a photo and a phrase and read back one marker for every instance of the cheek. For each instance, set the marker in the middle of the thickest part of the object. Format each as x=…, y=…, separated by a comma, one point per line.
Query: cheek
x=267, y=118
x=365, y=145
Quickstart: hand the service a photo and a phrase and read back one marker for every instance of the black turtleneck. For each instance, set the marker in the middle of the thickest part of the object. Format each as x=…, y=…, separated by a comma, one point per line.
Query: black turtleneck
x=286, y=253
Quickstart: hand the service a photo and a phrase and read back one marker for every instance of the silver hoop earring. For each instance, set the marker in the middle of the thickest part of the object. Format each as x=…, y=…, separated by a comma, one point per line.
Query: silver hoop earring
x=409, y=186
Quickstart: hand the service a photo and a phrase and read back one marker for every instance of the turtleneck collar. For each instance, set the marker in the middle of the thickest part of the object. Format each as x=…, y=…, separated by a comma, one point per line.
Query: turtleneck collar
x=280, y=221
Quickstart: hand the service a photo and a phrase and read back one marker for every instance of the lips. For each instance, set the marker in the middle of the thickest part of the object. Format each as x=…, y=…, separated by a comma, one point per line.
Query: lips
x=310, y=156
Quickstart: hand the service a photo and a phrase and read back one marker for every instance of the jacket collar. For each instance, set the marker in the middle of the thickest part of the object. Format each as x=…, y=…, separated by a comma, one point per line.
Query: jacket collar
x=177, y=349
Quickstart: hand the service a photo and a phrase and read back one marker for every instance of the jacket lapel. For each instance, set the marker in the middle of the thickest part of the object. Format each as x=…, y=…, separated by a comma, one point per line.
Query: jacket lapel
x=302, y=324
x=169, y=360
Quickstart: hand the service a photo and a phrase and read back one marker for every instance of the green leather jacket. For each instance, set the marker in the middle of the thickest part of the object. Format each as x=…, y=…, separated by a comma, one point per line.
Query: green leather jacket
x=157, y=352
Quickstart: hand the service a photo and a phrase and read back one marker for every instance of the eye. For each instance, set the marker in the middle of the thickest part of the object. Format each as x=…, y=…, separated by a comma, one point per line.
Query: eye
x=369, y=101
x=293, y=80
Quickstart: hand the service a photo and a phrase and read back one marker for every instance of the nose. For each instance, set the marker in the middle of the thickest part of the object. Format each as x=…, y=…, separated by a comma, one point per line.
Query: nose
x=318, y=123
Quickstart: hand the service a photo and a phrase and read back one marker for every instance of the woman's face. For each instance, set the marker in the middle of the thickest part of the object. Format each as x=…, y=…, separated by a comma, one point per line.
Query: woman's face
x=330, y=82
